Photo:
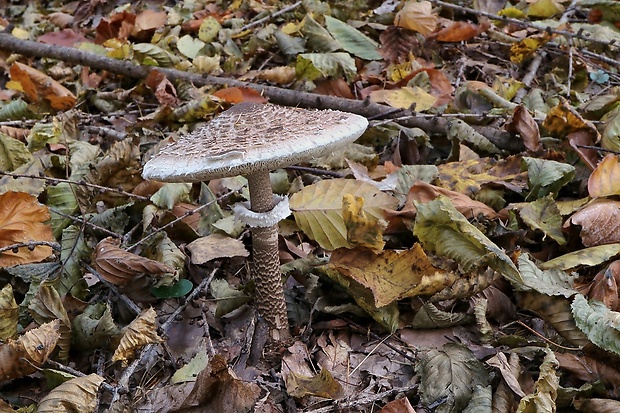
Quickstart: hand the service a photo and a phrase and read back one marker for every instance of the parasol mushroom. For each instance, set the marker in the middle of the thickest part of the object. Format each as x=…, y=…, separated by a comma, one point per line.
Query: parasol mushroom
x=252, y=139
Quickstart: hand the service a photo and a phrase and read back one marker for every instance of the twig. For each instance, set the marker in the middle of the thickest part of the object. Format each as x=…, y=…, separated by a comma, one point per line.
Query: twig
x=85, y=223
x=501, y=139
x=31, y=246
x=339, y=406
x=271, y=16
x=123, y=382
x=55, y=181
x=128, y=301
x=77, y=373
x=174, y=221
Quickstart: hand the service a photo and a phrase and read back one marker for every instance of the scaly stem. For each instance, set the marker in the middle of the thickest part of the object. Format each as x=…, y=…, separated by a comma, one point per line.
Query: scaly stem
x=266, y=268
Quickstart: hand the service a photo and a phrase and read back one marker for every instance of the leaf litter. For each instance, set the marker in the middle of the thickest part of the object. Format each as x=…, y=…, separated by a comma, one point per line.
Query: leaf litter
x=461, y=256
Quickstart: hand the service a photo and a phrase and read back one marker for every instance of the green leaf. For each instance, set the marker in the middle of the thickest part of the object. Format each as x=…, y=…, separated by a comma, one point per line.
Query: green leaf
x=543, y=214
x=17, y=109
x=545, y=176
x=289, y=45
x=352, y=40
x=180, y=289
x=228, y=298
x=449, y=376
x=73, y=249
x=548, y=282
x=94, y=327
x=317, y=38
x=209, y=29
x=462, y=132
x=13, y=153
x=587, y=257
x=30, y=185
x=446, y=232
x=328, y=64
x=169, y=194
x=154, y=55
x=598, y=322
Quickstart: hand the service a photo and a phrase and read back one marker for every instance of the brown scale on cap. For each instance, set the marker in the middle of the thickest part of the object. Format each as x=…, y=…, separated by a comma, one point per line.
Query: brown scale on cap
x=252, y=139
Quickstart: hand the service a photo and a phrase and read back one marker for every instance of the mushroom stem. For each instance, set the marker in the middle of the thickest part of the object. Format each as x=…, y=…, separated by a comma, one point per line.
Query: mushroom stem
x=266, y=268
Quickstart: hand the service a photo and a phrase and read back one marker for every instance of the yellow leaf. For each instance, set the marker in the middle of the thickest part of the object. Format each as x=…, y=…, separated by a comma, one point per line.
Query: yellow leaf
x=545, y=9
x=22, y=220
x=139, y=333
x=75, y=395
x=520, y=52
x=318, y=209
x=405, y=97
x=321, y=385
x=392, y=275
x=605, y=179
x=361, y=230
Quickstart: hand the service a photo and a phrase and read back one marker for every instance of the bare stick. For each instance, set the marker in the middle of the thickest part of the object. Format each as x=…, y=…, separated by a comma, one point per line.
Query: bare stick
x=271, y=16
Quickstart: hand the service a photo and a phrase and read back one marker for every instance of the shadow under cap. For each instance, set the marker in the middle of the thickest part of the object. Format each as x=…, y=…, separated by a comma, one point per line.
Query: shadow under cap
x=252, y=137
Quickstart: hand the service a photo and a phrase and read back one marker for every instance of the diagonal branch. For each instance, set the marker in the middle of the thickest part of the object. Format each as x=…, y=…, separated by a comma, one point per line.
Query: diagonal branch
x=286, y=97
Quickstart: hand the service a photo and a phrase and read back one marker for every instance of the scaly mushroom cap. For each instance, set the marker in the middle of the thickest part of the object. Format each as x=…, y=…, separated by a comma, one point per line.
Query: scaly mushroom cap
x=252, y=137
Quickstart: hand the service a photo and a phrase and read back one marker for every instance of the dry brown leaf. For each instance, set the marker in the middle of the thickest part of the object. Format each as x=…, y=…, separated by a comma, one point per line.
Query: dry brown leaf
x=417, y=16
x=457, y=31
x=9, y=313
x=589, y=369
x=524, y=124
x=240, y=94
x=605, y=289
x=119, y=267
x=217, y=389
x=215, y=246
x=401, y=405
x=605, y=179
x=22, y=220
x=37, y=86
x=139, y=333
x=21, y=357
x=320, y=385
x=599, y=221
x=423, y=193
x=76, y=395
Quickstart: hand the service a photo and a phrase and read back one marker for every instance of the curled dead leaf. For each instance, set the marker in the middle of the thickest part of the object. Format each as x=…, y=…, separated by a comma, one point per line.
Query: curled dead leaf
x=75, y=395
x=119, y=267
x=139, y=333
x=21, y=357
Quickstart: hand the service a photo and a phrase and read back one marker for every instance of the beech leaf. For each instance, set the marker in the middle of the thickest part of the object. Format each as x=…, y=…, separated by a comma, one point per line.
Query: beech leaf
x=318, y=209
x=22, y=220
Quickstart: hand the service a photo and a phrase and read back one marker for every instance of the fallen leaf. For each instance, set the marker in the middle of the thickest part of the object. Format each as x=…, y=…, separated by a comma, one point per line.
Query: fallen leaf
x=38, y=86
x=417, y=16
x=215, y=246
x=22, y=220
x=605, y=179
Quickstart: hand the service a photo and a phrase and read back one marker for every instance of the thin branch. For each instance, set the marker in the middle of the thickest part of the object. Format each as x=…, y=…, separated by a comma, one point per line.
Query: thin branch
x=31, y=245
x=271, y=16
x=287, y=97
x=55, y=181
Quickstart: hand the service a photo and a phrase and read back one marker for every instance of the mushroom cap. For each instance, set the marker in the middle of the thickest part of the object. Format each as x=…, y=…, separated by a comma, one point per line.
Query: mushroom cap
x=252, y=137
